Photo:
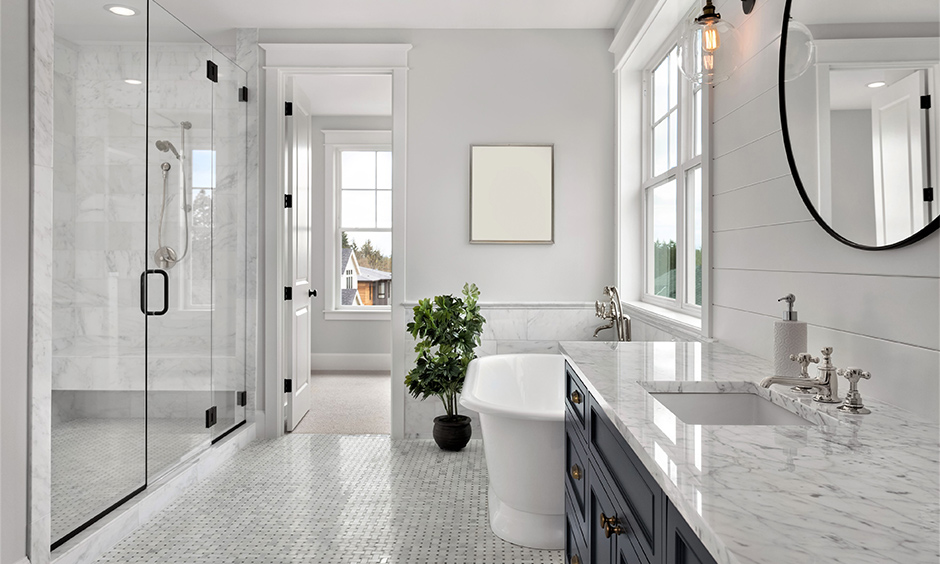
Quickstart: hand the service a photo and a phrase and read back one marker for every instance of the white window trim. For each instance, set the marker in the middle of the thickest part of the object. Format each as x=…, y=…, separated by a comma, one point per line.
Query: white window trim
x=679, y=172
x=333, y=142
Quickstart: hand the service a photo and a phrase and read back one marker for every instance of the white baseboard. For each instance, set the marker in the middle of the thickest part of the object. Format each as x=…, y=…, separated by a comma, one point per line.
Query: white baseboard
x=320, y=362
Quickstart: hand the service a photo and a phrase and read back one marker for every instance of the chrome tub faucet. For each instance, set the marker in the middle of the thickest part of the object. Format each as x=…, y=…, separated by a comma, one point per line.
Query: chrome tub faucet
x=616, y=317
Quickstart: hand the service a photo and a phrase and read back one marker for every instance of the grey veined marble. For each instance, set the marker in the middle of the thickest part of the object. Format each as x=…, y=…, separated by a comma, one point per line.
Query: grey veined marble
x=844, y=489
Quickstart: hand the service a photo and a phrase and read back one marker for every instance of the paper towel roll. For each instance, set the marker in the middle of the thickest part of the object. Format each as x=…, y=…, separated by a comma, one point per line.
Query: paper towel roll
x=789, y=338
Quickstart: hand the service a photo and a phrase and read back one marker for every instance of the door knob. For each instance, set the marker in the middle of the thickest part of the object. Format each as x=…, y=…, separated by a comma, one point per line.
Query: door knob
x=311, y=293
x=576, y=397
x=576, y=472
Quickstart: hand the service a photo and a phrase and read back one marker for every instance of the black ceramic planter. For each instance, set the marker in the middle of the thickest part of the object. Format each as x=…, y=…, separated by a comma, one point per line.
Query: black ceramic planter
x=452, y=433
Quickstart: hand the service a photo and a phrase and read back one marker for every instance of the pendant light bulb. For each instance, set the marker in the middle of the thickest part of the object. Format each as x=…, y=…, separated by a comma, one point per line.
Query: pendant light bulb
x=708, y=51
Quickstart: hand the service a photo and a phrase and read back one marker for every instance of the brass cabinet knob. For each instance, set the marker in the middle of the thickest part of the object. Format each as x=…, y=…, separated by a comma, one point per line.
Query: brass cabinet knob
x=611, y=526
x=575, y=559
x=576, y=472
x=576, y=397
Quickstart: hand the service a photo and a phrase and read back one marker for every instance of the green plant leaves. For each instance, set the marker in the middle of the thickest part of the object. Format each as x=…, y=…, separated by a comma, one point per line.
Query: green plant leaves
x=446, y=331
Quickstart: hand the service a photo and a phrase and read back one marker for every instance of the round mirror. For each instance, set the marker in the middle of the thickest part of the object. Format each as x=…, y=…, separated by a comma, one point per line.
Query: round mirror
x=859, y=112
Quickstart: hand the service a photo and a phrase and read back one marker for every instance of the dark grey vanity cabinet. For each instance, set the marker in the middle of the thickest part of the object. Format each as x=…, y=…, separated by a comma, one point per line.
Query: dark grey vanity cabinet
x=616, y=512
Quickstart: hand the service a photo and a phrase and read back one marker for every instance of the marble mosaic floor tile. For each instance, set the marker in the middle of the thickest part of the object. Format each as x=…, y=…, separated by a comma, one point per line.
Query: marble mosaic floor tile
x=332, y=499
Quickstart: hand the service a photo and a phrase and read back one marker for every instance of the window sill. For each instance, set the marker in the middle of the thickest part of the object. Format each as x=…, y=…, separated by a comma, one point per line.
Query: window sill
x=681, y=325
x=358, y=315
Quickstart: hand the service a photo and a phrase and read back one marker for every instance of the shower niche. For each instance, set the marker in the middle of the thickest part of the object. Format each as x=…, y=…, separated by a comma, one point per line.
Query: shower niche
x=149, y=273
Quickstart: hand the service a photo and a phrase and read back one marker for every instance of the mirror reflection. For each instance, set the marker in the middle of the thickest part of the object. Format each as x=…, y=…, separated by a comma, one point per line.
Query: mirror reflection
x=863, y=143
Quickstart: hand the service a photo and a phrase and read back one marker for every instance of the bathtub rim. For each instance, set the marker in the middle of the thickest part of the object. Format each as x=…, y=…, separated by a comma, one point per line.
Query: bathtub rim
x=469, y=400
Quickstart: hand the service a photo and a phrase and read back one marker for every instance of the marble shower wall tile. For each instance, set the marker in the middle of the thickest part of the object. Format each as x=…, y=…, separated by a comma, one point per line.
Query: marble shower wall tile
x=504, y=324
x=42, y=107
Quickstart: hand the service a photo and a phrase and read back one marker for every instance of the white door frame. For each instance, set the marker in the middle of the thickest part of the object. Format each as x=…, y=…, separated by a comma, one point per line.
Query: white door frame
x=284, y=60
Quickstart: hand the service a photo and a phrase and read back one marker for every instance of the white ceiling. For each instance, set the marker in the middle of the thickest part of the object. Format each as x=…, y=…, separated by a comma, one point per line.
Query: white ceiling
x=864, y=11
x=848, y=88
x=211, y=16
x=347, y=95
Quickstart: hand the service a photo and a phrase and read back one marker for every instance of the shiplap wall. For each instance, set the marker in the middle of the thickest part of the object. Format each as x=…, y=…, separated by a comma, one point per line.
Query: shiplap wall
x=879, y=310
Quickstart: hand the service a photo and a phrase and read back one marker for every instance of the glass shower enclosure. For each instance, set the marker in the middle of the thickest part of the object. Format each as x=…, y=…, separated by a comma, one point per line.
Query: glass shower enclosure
x=149, y=265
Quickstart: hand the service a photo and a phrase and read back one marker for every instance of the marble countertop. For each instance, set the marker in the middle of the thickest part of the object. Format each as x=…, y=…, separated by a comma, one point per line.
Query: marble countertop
x=843, y=489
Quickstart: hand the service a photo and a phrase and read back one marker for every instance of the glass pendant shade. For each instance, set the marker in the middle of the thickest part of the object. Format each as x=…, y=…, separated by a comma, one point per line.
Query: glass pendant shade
x=708, y=50
x=801, y=51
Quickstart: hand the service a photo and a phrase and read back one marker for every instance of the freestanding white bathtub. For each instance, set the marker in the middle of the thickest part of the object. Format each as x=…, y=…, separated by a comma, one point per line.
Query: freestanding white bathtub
x=520, y=399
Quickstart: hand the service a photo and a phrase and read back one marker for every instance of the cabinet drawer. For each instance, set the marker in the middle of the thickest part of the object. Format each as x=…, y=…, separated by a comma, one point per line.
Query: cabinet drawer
x=575, y=548
x=576, y=469
x=632, y=486
x=575, y=394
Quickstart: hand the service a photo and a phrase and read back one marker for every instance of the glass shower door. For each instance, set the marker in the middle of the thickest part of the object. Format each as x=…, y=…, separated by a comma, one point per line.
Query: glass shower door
x=229, y=117
x=181, y=169
x=99, y=208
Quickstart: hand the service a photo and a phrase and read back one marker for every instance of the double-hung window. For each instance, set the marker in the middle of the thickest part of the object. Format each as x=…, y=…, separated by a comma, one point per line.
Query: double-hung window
x=359, y=204
x=672, y=186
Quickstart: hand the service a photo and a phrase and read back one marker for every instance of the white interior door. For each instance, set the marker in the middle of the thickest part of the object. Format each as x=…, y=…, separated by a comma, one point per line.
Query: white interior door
x=897, y=145
x=298, y=266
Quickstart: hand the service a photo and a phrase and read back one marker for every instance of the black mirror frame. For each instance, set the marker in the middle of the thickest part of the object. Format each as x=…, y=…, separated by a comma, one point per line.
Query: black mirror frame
x=781, y=90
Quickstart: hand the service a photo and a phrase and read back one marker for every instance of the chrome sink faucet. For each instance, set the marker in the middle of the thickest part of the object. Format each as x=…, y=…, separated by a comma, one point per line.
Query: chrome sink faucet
x=617, y=318
x=825, y=384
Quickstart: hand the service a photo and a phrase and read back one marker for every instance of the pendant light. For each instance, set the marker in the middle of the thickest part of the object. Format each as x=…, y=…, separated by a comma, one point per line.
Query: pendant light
x=708, y=48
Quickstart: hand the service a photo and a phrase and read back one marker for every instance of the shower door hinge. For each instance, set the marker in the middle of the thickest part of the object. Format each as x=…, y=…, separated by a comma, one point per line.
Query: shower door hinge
x=241, y=399
x=288, y=200
x=211, y=416
x=243, y=94
x=288, y=108
x=925, y=102
x=288, y=293
x=212, y=71
x=288, y=385
x=928, y=194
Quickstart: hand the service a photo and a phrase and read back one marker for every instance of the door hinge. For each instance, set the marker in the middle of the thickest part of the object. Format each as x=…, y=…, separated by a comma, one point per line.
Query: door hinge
x=925, y=102
x=243, y=94
x=928, y=194
x=288, y=108
x=212, y=71
x=288, y=293
x=288, y=385
x=241, y=399
x=211, y=416
x=288, y=200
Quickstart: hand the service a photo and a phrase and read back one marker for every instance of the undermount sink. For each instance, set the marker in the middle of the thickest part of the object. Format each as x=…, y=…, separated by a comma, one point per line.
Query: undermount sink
x=726, y=409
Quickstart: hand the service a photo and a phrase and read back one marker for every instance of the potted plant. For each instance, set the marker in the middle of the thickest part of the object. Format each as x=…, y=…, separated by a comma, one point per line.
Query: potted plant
x=447, y=330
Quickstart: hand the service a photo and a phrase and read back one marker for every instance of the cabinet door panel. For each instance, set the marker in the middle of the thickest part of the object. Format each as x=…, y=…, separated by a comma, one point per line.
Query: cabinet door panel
x=682, y=545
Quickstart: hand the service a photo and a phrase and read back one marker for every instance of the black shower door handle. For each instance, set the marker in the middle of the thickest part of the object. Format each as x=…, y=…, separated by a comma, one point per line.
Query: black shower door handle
x=143, y=291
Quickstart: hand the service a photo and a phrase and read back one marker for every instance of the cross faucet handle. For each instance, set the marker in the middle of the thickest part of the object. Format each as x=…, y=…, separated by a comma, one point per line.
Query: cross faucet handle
x=853, y=375
x=853, y=400
x=600, y=310
x=804, y=359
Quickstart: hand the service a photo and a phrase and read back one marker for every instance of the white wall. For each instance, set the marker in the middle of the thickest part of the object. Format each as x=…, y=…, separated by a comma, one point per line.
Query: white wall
x=879, y=310
x=338, y=336
x=506, y=86
x=14, y=275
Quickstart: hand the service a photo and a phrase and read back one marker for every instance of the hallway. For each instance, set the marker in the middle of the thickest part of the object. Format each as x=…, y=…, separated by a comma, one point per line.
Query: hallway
x=332, y=499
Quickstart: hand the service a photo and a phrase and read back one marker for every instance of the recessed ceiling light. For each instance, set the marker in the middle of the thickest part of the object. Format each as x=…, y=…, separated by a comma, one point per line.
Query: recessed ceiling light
x=120, y=10
x=133, y=81
x=877, y=84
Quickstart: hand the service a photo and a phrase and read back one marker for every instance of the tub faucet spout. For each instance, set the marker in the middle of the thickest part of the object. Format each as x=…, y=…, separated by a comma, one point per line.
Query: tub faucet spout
x=615, y=314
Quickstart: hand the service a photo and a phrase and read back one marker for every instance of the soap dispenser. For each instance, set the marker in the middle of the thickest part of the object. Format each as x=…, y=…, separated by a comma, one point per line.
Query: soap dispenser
x=789, y=338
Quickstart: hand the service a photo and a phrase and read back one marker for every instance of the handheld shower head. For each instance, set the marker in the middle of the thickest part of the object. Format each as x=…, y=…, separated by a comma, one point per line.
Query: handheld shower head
x=186, y=125
x=166, y=146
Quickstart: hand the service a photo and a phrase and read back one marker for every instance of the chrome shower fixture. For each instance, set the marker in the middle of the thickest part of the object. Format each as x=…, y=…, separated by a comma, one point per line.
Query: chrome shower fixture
x=166, y=146
x=186, y=125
